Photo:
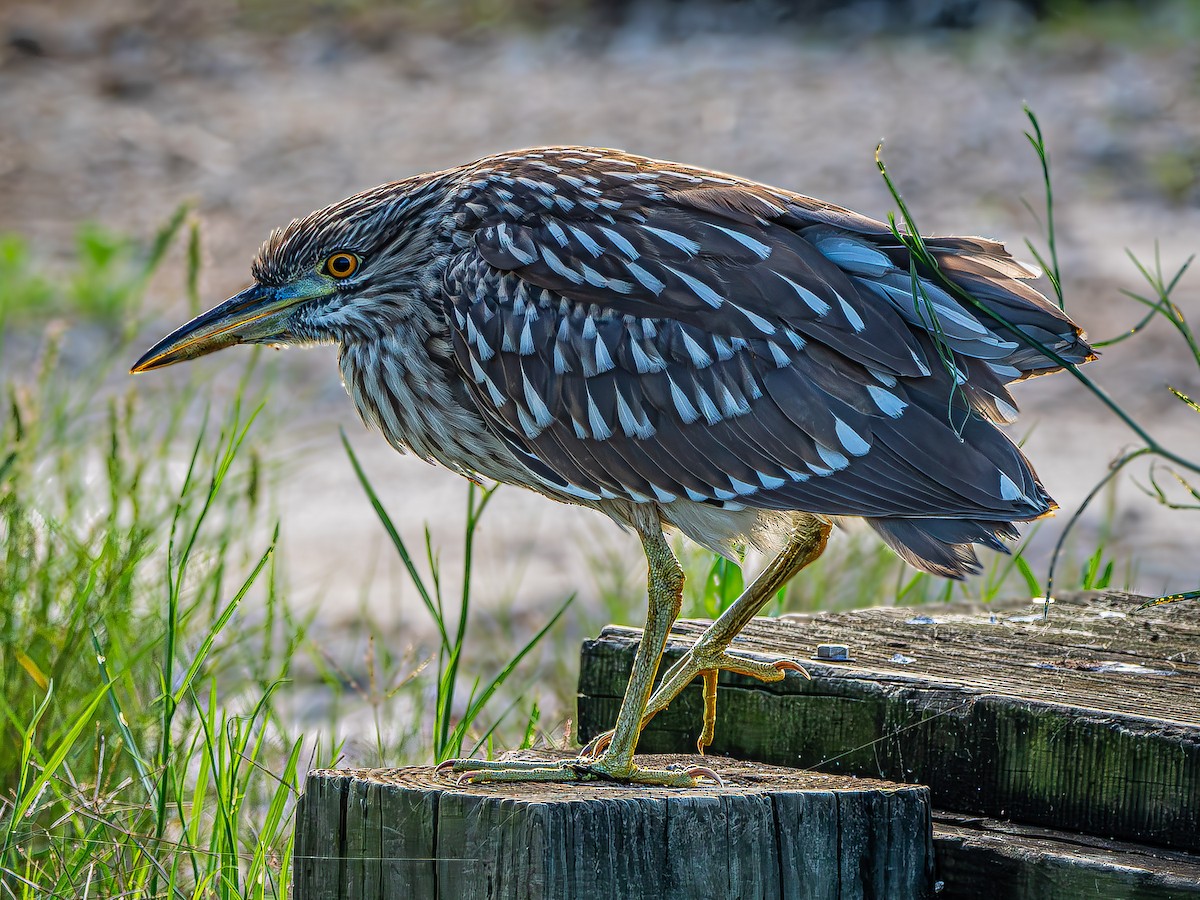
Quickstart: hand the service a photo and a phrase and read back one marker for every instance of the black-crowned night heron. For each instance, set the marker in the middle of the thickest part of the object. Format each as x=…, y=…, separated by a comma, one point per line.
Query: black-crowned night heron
x=674, y=347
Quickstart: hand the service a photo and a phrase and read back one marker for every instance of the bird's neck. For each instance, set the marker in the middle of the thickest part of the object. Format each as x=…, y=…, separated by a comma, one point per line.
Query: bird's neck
x=403, y=383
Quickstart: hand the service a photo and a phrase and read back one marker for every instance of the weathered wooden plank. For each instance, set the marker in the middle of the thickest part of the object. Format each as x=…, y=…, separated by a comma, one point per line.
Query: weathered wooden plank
x=1001, y=860
x=1087, y=722
x=318, y=865
x=364, y=845
x=409, y=835
x=768, y=833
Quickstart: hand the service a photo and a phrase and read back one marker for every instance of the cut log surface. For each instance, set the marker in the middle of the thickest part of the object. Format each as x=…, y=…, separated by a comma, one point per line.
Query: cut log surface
x=767, y=833
x=1088, y=721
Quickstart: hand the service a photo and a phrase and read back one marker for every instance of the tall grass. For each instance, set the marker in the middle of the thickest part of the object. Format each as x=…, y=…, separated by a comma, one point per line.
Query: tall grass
x=146, y=639
x=140, y=752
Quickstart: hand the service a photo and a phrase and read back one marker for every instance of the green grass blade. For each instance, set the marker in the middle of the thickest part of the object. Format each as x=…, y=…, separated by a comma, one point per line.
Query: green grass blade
x=397, y=542
x=131, y=744
x=218, y=625
x=57, y=756
x=478, y=703
x=1031, y=580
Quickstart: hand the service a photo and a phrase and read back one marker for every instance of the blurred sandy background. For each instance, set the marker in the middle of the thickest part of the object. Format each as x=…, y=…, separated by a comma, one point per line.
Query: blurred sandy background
x=259, y=112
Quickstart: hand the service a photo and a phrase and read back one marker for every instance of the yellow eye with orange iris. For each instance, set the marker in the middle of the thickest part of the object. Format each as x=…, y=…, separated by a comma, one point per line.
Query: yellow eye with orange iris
x=341, y=264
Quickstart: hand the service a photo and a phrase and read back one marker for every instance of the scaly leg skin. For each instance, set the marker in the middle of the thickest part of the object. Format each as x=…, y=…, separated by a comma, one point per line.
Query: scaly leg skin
x=710, y=653
x=615, y=763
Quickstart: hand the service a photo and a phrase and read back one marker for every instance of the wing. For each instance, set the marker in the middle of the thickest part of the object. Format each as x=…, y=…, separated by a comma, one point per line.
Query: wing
x=632, y=344
x=732, y=254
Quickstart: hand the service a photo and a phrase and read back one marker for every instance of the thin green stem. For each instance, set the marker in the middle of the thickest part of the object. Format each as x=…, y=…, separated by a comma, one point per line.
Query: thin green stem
x=1038, y=142
x=476, y=504
x=1113, y=470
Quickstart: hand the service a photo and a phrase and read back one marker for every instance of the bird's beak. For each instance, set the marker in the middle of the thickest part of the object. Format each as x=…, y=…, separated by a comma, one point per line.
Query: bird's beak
x=253, y=316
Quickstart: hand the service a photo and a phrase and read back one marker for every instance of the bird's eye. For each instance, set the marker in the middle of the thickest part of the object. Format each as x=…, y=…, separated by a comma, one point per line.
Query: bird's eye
x=341, y=265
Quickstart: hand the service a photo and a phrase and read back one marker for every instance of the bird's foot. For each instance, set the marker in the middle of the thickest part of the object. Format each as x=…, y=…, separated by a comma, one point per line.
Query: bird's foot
x=582, y=768
x=705, y=663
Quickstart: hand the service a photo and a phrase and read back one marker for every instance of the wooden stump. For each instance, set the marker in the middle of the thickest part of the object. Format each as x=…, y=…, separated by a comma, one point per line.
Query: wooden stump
x=1086, y=722
x=1089, y=721
x=767, y=833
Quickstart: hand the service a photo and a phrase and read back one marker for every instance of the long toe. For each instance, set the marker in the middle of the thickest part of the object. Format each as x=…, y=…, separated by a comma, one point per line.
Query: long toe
x=582, y=768
x=691, y=669
x=773, y=670
x=707, y=663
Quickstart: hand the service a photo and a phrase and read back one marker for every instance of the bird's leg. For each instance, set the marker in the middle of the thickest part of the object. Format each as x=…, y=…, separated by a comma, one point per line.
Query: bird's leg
x=710, y=653
x=665, y=589
x=615, y=763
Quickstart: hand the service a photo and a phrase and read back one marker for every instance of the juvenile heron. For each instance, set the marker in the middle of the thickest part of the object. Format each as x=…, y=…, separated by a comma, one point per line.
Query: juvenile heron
x=674, y=347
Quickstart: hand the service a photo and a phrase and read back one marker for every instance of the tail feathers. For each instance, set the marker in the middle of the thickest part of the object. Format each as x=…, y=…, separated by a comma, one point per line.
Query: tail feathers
x=987, y=271
x=943, y=546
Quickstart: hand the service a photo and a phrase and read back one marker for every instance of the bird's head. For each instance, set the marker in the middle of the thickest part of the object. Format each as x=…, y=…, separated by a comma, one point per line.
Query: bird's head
x=338, y=274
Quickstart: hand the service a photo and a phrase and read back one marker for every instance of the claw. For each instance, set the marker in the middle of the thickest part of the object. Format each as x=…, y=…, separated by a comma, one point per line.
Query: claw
x=597, y=745
x=788, y=665
x=705, y=772
x=443, y=767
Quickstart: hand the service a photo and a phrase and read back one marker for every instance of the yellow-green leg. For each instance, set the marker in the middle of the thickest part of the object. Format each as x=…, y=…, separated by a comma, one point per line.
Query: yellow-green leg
x=615, y=763
x=710, y=653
